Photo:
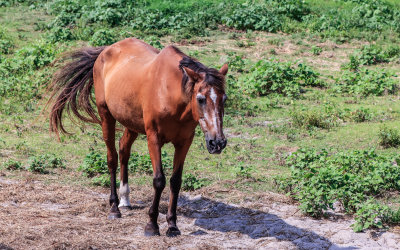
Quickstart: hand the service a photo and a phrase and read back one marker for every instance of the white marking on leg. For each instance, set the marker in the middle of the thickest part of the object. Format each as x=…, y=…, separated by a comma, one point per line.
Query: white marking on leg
x=124, y=195
x=213, y=95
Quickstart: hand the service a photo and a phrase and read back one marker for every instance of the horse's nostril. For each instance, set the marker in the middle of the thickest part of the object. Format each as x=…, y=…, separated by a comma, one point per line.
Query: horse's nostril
x=212, y=143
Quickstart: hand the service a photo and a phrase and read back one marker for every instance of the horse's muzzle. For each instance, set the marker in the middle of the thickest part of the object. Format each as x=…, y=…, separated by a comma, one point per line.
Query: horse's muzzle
x=216, y=146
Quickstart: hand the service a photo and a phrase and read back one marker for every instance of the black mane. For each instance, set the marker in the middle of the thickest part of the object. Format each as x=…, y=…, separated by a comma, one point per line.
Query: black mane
x=213, y=77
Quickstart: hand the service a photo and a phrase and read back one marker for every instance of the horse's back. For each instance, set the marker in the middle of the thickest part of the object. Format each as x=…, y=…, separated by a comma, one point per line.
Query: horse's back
x=135, y=78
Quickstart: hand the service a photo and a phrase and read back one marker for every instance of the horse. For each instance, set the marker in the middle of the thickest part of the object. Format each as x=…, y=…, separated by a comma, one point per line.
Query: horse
x=162, y=94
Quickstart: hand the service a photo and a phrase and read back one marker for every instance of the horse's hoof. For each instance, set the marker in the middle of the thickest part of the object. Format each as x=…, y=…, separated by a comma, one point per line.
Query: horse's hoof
x=151, y=230
x=114, y=215
x=173, y=232
x=126, y=208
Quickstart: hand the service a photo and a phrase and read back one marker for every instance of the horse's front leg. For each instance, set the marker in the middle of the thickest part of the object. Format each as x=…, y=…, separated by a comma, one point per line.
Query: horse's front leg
x=181, y=150
x=155, y=145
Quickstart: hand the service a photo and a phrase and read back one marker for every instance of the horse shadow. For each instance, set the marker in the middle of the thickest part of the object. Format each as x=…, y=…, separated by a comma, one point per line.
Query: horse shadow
x=218, y=216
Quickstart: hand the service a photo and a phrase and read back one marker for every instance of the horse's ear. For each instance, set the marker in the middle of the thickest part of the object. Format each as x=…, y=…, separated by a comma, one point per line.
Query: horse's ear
x=224, y=69
x=193, y=76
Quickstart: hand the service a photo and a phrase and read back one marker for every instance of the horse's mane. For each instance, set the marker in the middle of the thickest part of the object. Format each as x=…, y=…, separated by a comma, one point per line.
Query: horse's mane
x=212, y=76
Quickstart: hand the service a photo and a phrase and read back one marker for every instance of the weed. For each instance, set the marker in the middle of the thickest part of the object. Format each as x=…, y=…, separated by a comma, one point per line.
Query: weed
x=272, y=76
x=190, y=182
x=389, y=137
x=366, y=82
x=104, y=37
x=243, y=171
x=319, y=179
x=362, y=115
x=41, y=164
x=316, y=50
x=12, y=165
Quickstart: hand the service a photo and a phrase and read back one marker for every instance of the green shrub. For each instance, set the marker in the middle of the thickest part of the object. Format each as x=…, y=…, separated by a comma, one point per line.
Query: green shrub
x=94, y=164
x=190, y=182
x=389, y=137
x=41, y=164
x=104, y=37
x=326, y=117
x=251, y=16
x=316, y=50
x=366, y=82
x=370, y=214
x=6, y=43
x=362, y=115
x=12, y=165
x=321, y=178
x=272, y=76
x=243, y=171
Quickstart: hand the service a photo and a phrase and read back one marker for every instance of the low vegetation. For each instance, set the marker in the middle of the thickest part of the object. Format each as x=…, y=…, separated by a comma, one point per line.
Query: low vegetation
x=352, y=180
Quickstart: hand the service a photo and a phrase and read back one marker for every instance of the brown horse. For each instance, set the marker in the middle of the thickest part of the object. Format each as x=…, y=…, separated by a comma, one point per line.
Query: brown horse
x=163, y=94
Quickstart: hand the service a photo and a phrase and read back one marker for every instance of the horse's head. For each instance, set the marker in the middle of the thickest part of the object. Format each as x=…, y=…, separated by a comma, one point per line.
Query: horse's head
x=208, y=99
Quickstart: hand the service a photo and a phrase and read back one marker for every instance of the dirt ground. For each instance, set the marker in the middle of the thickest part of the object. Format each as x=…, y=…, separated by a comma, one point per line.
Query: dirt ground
x=34, y=215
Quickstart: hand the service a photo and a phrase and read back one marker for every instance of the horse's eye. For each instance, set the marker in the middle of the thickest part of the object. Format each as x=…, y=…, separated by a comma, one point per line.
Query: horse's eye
x=201, y=99
x=224, y=99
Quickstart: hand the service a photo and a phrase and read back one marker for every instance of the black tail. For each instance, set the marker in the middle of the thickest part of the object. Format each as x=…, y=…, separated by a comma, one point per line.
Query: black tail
x=72, y=86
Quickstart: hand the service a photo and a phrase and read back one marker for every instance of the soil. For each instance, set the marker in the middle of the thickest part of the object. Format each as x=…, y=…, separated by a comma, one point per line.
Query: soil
x=36, y=215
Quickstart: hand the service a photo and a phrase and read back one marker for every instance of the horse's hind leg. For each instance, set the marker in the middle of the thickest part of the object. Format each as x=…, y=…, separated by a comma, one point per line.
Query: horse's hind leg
x=108, y=127
x=125, y=144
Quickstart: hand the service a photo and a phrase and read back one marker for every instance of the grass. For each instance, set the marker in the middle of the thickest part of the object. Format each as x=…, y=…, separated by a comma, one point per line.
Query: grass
x=255, y=151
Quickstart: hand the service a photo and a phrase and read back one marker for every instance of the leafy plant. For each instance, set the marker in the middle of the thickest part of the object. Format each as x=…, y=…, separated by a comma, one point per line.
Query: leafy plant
x=190, y=182
x=389, y=137
x=103, y=37
x=316, y=50
x=272, y=76
x=12, y=165
x=362, y=115
x=326, y=117
x=369, y=215
x=366, y=82
x=243, y=171
x=94, y=164
x=320, y=178
x=41, y=164
x=6, y=42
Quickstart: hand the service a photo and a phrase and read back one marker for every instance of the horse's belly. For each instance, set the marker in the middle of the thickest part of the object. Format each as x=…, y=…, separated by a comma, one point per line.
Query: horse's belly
x=126, y=109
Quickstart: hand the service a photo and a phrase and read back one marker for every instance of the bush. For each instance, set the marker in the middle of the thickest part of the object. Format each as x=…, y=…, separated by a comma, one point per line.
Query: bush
x=316, y=50
x=191, y=182
x=326, y=117
x=6, y=43
x=12, y=165
x=94, y=164
x=362, y=115
x=366, y=82
x=272, y=76
x=321, y=178
x=41, y=164
x=243, y=171
x=250, y=16
x=388, y=137
x=104, y=37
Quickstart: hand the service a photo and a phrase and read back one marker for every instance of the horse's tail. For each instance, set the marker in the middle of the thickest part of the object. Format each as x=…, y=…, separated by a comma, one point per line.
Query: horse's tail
x=72, y=87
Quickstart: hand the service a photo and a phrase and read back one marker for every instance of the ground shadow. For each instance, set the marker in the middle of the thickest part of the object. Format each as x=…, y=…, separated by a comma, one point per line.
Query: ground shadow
x=5, y=247
x=218, y=216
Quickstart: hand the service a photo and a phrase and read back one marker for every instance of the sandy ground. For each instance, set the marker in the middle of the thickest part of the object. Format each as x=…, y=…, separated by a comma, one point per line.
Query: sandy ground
x=34, y=215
